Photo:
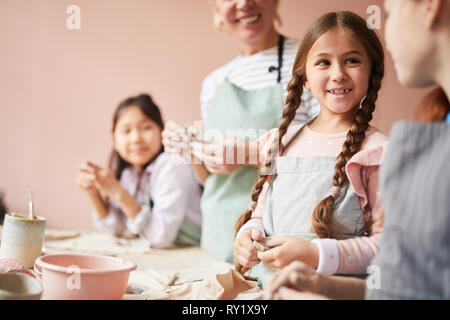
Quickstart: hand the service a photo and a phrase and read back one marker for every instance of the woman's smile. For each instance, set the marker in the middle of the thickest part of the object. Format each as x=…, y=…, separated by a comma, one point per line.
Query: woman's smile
x=249, y=19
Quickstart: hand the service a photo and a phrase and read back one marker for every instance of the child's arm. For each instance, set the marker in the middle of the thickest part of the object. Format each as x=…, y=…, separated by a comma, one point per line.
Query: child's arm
x=97, y=202
x=299, y=278
x=106, y=217
x=127, y=203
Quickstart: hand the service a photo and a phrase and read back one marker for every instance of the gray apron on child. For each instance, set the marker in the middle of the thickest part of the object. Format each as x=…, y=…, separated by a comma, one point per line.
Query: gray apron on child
x=414, y=257
x=294, y=191
x=226, y=196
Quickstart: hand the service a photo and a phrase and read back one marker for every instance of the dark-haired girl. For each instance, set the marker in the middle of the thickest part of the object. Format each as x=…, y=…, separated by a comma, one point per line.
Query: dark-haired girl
x=144, y=192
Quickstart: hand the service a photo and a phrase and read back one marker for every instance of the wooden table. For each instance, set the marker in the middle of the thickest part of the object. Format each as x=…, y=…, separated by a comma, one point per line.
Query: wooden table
x=173, y=273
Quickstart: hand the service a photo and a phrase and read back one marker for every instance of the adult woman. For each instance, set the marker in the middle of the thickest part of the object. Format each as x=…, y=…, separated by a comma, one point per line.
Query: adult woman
x=247, y=94
x=414, y=257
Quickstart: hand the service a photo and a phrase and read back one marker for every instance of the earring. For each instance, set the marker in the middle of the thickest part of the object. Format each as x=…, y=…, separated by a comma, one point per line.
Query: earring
x=219, y=24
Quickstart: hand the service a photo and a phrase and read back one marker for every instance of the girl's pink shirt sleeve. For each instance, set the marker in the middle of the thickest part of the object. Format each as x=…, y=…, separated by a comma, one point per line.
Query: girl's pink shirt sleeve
x=353, y=256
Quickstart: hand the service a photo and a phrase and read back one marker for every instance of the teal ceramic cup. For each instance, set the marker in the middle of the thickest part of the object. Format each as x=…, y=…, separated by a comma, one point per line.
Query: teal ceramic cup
x=22, y=238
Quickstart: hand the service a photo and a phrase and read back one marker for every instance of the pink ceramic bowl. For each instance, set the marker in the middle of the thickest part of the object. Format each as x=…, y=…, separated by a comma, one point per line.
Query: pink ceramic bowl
x=83, y=277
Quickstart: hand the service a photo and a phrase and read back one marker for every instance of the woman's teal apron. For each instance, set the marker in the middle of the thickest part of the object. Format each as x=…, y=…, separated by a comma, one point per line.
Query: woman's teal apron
x=225, y=197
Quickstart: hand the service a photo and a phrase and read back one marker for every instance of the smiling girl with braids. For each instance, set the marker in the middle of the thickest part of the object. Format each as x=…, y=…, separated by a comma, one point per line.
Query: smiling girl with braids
x=321, y=204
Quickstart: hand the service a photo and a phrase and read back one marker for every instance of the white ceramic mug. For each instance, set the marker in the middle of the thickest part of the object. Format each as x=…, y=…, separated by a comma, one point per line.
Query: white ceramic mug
x=22, y=238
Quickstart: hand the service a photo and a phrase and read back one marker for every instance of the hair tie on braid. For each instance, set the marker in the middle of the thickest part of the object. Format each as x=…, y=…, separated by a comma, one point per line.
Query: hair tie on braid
x=335, y=191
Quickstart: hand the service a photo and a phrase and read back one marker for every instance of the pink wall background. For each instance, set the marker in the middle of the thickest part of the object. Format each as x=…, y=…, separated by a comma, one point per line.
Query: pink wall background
x=59, y=87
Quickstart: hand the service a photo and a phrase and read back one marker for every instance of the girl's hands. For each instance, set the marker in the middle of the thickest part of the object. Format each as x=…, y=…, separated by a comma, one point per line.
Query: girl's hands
x=93, y=176
x=244, y=252
x=294, y=281
x=85, y=181
x=286, y=249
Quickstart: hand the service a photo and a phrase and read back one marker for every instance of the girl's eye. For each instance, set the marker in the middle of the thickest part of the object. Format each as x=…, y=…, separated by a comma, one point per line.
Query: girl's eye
x=351, y=60
x=126, y=131
x=323, y=63
x=146, y=127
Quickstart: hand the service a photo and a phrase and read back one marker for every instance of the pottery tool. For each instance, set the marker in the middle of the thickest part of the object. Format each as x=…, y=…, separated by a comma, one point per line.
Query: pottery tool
x=30, y=205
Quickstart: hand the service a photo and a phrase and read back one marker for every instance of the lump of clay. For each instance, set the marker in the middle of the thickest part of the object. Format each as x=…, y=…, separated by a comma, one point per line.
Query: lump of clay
x=260, y=246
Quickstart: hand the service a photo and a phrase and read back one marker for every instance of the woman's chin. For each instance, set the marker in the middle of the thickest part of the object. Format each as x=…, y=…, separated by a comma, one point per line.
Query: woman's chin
x=251, y=34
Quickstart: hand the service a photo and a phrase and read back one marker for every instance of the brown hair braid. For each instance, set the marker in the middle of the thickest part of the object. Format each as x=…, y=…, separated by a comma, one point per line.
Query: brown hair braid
x=293, y=100
x=322, y=221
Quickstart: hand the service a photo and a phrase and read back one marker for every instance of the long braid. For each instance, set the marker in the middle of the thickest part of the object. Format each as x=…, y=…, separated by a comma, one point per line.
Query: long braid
x=323, y=223
x=293, y=101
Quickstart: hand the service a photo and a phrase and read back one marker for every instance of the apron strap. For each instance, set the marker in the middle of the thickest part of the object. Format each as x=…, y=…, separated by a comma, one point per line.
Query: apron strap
x=283, y=150
x=295, y=136
x=280, y=58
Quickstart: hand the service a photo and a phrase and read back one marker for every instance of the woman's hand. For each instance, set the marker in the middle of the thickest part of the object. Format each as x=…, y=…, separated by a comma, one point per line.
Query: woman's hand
x=225, y=155
x=294, y=281
x=102, y=179
x=286, y=249
x=245, y=252
x=175, y=139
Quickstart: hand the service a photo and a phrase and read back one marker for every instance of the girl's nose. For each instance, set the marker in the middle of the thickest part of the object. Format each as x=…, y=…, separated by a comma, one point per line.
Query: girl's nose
x=135, y=135
x=338, y=74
